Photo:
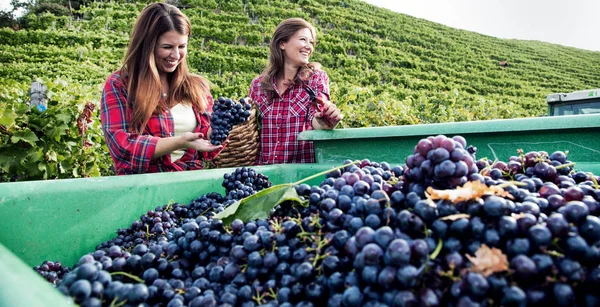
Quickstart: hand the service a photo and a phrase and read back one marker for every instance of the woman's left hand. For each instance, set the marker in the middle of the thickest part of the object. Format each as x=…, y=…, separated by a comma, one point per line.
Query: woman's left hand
x=328, y=117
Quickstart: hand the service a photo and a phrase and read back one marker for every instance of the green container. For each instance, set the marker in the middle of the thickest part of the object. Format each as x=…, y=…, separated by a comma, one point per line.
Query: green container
x=62, y=220
x=494, y=139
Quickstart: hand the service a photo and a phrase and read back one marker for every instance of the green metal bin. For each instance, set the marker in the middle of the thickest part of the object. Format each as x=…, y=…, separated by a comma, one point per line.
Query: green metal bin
x=62, y=220
x=494, y=139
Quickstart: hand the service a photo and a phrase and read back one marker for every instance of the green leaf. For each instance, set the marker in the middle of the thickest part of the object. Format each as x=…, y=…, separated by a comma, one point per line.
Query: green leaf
x=75, y=172
x=7, y=117
x=7, y=159
x=63, y=117
x=94, y=171
x=43, y=168
x=35, y=155
x=57, y=131
x=259, y=205
x=25, y=135
x=51, y=155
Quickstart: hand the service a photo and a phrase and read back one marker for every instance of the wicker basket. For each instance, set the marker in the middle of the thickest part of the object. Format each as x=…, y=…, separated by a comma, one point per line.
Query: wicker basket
x=243, y=145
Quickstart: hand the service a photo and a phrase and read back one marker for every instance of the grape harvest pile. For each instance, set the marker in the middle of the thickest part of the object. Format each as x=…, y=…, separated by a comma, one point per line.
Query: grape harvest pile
x=226, y=114
x=521, y=233
x=243, y=182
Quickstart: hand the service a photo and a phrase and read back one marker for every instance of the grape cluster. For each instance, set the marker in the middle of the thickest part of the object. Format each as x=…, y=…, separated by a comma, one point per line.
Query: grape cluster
x=226, y=114
x=151, y=227
x=52, y=271
x=368, y=236
x=243, y=182
x=440, y=162
x=207, y=205
x=536, y=164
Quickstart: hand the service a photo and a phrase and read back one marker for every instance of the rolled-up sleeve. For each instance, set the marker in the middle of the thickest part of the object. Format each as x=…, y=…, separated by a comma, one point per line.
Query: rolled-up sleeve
x=130, y=152
x=252, y=93
x=320, y=82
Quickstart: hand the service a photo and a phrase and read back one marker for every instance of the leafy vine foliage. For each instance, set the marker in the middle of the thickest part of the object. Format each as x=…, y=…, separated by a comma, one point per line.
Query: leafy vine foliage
x=385, y=69
x=65, y=141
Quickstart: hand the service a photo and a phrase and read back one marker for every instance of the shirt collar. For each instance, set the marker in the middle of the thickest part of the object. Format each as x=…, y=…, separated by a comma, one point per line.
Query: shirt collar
x=274, y=83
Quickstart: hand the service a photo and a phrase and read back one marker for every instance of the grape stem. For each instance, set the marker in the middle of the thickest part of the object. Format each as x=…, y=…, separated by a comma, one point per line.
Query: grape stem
x=437, y=250
x=114, y=303
x=325, y=172
x=128, y=275
x=593, y=180
x=565, y=165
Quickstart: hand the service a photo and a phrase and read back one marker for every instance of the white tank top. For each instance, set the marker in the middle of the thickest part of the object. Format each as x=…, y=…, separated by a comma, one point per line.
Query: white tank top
x=184, y=120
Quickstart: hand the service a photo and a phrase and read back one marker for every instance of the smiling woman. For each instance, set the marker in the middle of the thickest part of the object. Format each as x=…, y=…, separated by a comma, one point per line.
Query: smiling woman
x=155, y=114
x=292, y=95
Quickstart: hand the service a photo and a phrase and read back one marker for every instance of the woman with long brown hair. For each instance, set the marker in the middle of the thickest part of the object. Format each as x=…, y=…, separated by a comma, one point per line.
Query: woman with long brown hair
x=155, y=114
x=292, y=95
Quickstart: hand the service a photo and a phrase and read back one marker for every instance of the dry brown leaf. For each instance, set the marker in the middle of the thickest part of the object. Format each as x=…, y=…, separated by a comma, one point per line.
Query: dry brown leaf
x=455, y=217
x=488, y=261
x=470, y=190
x=517, y=216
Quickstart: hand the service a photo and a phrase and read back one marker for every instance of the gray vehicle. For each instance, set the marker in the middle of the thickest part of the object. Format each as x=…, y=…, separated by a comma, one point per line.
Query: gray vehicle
x=579, y=102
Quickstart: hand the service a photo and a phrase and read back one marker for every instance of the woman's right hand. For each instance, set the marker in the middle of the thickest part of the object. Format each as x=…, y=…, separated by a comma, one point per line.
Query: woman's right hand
x=197, y=141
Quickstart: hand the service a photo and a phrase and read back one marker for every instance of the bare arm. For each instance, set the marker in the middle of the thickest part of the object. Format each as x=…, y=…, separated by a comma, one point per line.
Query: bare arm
x=187, y=140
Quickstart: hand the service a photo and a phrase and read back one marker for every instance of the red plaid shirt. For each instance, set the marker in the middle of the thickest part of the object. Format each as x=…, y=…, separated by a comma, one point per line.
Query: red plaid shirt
x=132, y=153
x=284, y=117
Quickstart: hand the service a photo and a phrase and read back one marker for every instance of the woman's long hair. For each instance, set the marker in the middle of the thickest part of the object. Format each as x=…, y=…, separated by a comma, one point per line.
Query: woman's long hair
x=139, y=67
x=284, y=31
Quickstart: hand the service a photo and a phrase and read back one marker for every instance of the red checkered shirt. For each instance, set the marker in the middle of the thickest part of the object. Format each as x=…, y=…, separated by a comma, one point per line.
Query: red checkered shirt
x=132, y=153
x=284, y=117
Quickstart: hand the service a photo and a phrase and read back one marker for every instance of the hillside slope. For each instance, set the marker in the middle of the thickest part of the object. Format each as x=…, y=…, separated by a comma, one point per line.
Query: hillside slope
x=380, y=62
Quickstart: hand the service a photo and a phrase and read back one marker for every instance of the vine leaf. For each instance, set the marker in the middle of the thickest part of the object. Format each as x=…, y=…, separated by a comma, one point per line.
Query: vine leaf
x=488, y=261
x=455, y=217
x=470, y=190
x=259, y=205
x=26, y=136
x=7, y=117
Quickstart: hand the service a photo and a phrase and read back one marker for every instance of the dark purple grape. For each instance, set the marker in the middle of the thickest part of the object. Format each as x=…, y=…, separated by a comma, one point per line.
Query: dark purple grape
x=407, y=276
x=494, y=206
x=477, y=284
x=523, y=267
x=373, y=254
x=397, y=253
x=540, y=236
x=352, y=296
x=573, y=194
x=80, y=290
x=563, y=295
x=513, y=296
x=575, y=211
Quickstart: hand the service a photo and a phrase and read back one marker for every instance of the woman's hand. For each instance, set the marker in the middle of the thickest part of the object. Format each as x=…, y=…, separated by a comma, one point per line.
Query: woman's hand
x=197, y=141
x=328, y=117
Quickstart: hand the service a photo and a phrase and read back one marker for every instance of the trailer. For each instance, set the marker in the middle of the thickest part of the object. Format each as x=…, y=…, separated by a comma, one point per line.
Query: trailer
x=61, y=220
